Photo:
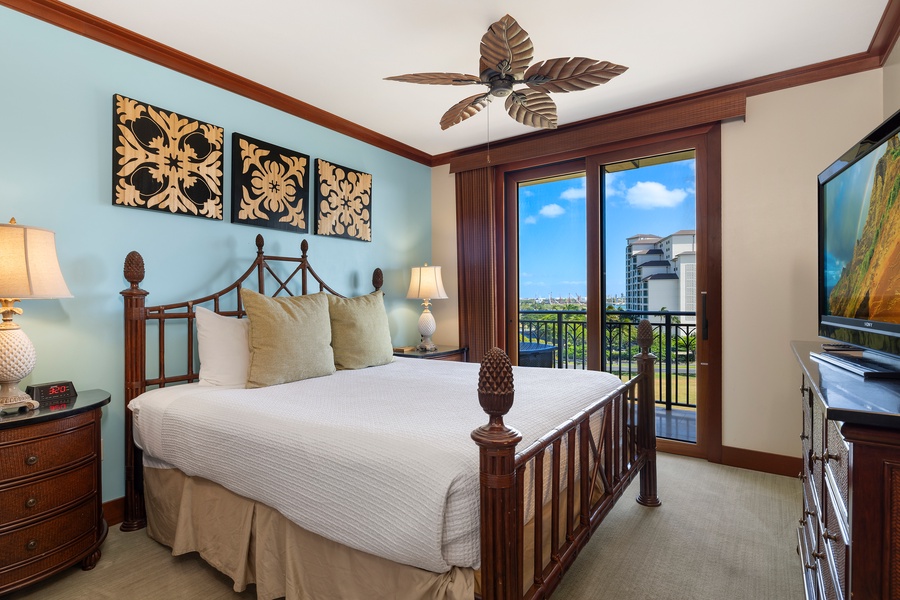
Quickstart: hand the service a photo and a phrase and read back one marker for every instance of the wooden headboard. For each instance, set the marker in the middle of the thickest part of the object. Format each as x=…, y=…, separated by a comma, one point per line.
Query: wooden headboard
x=267, y=274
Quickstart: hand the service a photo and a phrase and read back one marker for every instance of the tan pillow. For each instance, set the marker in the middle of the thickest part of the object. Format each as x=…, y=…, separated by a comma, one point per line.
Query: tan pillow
x=360, y=335
x=290, y=338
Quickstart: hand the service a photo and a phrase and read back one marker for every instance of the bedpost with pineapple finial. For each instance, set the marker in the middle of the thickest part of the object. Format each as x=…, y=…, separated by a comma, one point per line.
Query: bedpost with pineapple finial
x=499, y=510
x=135, y=375
x=646, y=435
x=260, y=265
x=304, y=248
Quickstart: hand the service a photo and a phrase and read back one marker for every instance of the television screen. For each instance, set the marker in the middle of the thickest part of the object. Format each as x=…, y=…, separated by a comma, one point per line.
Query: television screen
x=860, y=244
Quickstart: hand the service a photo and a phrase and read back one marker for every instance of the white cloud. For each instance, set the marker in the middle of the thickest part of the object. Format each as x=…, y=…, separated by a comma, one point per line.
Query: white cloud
x=530, y=220
x=552, y=210
x=575, y=193
x=651, y=194
x=614, y=187
x=524, y=192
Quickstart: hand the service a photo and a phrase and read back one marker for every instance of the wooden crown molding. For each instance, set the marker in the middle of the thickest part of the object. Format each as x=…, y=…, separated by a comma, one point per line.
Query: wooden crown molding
x=85, y=24
x=100, y=30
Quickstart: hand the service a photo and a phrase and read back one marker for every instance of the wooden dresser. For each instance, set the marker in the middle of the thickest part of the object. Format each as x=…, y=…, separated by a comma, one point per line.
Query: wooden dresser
x=849, y=535
x=51, y=514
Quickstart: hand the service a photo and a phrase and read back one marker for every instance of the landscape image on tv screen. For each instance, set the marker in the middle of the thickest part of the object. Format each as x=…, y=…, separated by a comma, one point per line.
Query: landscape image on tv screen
x=862, y=237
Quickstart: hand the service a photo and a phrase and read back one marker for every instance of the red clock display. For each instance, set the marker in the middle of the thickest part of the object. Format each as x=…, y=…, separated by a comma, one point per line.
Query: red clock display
x=55, y=390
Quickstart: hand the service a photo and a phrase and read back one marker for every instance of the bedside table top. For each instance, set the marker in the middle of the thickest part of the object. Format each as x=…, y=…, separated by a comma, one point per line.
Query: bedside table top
x=441, y=352
x=85, y=401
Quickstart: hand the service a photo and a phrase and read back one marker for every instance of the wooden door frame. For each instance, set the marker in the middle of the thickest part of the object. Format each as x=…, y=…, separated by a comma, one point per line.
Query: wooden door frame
x=706, y=142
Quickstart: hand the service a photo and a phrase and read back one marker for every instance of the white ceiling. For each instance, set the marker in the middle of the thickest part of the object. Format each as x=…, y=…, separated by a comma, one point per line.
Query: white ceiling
x=335, y=54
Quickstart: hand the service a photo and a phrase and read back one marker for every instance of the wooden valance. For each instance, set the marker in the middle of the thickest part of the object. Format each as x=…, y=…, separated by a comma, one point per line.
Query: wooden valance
x=579, y=137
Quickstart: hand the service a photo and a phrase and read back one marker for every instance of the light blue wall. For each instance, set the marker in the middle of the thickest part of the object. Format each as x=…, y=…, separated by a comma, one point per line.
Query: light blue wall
x=56, y=112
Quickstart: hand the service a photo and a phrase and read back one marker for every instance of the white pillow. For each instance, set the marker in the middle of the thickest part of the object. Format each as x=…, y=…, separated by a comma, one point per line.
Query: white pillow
x=224, y=346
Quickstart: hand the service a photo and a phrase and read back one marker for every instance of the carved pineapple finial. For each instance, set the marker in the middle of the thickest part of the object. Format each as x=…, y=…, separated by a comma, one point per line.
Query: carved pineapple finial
x=645, y=335
x=134, y=268
x=495, y=383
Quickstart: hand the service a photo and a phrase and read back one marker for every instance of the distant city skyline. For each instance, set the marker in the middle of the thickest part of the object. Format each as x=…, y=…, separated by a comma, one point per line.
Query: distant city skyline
x=657, y=199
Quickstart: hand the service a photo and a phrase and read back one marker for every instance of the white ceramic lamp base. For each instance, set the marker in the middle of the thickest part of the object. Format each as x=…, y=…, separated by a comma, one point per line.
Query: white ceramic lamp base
x=427, y=327
x=17, y=359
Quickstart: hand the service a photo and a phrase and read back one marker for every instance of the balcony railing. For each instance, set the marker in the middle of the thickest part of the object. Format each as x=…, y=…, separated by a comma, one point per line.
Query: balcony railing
x=561, y=335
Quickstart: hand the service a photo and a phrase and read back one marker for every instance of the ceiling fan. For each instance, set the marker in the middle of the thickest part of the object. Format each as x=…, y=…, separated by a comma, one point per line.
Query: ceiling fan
x=506, y=51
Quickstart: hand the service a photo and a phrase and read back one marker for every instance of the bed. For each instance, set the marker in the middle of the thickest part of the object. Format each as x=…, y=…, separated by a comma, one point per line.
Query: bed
x=377, y=479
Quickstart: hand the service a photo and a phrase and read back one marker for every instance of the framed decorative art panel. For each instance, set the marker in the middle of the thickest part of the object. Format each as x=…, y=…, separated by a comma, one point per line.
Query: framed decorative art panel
x=343, y=201
x=269, y=185
x=164, y=161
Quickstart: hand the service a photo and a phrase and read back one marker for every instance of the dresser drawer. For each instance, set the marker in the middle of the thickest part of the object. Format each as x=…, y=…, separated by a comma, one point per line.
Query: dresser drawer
x=33, y=498
x=835, y=542
x=32, y=541
x=838, y=463
x=33, y=456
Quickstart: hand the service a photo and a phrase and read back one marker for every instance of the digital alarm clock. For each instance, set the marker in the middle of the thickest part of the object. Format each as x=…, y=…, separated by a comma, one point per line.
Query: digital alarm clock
x=55, y=390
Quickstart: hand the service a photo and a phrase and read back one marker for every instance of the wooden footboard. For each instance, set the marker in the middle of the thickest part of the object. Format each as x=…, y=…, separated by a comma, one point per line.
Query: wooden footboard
x=625, y=446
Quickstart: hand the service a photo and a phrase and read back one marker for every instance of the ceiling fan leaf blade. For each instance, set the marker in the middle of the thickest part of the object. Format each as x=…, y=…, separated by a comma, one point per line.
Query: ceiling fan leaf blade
x=437, y=78
x=463, y=109
x=506, y=48
x=570, y=74
x=532, y=108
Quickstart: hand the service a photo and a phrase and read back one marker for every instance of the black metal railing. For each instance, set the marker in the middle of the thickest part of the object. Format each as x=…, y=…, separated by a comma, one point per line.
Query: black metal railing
x=559, y=338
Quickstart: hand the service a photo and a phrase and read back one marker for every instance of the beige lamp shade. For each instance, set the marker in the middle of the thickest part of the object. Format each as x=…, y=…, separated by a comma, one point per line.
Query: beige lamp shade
x=426, y=283
x=28, y=264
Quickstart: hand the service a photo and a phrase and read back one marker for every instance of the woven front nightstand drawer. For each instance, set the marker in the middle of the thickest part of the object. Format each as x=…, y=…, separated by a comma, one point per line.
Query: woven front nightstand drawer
x=30, y=542
x=34, y=456
x=31, y=499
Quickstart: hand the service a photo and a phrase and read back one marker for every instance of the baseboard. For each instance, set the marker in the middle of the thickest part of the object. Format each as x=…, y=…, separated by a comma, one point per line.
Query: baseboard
x=114, y=511
x=777, y=464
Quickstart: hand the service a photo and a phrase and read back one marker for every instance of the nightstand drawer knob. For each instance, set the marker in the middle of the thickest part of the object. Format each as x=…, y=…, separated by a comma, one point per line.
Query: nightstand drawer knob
x=31, y=460
x=31, y=503
x=31, y=545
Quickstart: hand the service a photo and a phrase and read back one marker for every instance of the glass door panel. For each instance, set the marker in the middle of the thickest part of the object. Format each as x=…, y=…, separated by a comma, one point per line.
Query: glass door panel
x=650, y=260
x=552, y=282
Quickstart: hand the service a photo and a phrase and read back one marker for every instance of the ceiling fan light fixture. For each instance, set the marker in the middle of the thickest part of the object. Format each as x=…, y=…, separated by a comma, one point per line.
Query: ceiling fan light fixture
x=506, y=52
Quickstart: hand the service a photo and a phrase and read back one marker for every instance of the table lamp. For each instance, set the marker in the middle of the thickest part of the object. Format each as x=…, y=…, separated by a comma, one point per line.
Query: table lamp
x=426, y=285
x=29, y=270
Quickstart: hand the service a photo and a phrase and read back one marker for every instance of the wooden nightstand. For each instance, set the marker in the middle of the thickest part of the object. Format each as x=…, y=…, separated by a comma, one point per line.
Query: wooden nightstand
x=52, y=515
x=442, y=353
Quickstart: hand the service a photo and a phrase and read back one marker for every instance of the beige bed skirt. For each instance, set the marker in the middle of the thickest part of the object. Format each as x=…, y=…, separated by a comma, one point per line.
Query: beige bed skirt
x=254, y=544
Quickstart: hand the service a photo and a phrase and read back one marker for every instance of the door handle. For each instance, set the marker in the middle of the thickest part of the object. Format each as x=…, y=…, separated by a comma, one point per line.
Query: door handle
x=704, y=322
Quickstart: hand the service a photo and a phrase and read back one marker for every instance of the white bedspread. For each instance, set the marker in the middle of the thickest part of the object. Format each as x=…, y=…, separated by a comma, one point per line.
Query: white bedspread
x=378, y=459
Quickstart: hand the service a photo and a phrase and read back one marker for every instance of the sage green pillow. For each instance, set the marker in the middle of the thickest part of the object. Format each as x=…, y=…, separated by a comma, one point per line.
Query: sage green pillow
x=360, y=335
x=290, y=338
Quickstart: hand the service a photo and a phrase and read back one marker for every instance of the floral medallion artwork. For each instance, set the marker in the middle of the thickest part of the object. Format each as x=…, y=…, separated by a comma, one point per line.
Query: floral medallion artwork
x=343, y=202
x=268, y=185
x=166, y=162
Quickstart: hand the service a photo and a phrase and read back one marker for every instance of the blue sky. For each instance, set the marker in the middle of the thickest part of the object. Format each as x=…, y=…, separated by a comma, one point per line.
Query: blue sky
x=659, y=199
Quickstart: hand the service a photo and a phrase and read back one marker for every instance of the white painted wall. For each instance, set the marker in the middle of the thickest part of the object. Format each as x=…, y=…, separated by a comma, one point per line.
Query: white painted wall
x=770, y=163
x=443, y=253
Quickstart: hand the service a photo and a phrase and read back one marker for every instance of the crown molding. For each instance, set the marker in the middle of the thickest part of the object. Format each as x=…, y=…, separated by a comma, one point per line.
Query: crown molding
x=100, y=30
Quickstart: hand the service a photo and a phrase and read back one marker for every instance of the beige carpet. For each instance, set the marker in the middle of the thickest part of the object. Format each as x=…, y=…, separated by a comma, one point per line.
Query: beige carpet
x=720, y=533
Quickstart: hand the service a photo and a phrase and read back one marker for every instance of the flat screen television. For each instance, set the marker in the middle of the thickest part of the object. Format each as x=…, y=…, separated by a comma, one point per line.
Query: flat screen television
x=859, y=255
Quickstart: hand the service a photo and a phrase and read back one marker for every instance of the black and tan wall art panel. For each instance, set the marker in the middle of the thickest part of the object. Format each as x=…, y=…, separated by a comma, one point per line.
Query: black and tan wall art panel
x=269, y=185
x=343, y=202
x=166, y=162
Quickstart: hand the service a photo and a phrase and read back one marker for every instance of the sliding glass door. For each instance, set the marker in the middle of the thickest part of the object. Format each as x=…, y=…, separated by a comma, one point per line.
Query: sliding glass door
x=597, y=244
